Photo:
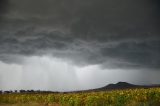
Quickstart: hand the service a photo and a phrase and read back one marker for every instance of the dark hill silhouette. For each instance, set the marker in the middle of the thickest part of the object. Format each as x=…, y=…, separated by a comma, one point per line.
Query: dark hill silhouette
x=125, y=85
x=119, y=85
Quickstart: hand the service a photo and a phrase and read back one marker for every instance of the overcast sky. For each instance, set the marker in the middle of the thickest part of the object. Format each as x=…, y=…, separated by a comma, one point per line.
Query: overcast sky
x=63, y=45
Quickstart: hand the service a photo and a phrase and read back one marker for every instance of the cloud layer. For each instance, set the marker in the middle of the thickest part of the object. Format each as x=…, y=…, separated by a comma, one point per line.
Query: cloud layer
x=116, y=33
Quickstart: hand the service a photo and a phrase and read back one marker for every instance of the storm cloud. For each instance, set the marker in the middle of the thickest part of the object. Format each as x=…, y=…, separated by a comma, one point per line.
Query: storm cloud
x=113, y=34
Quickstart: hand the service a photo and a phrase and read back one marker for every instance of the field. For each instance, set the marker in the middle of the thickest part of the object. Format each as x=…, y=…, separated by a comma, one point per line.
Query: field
x=130, y=97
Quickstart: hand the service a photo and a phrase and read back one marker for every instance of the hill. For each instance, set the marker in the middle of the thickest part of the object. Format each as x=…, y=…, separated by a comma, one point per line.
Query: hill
x=125, y=85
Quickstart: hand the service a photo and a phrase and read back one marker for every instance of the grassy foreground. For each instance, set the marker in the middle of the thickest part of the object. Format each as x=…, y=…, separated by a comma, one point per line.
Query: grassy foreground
x=134, y=97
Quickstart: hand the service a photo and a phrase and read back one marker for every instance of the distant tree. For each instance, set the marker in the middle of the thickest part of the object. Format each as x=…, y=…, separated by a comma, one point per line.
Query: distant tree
x=7, y=92
x=30, y=91
x=22, y=91
x=1, y=92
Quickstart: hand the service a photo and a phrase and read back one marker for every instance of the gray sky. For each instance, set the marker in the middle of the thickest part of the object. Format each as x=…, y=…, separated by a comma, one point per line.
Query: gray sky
x=78, y=44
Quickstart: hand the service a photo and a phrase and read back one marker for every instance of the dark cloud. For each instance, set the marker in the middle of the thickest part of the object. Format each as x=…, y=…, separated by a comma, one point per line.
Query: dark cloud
x=135, y=54
x=3, y=8
x=107, y=20
x=3, y=4
x=114, y=33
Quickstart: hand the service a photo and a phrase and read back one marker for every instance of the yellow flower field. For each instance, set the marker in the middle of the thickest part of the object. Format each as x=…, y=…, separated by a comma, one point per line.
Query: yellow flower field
x=130, y=97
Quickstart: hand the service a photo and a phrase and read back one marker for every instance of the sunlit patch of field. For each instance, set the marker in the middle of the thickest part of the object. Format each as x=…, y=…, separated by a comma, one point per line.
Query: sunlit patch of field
x=130, y=97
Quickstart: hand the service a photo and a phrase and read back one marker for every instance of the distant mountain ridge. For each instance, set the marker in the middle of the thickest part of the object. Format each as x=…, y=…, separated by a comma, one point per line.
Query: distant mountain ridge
x=125, y=85
x=119, y=85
